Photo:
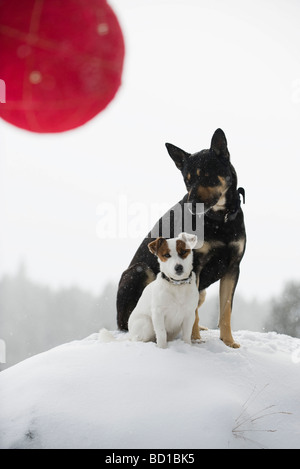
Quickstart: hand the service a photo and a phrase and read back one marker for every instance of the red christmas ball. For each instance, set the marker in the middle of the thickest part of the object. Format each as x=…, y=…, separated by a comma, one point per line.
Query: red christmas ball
x=61, y=61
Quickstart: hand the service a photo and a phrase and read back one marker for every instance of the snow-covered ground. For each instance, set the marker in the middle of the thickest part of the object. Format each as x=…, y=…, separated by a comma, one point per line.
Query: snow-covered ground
x=89, y=394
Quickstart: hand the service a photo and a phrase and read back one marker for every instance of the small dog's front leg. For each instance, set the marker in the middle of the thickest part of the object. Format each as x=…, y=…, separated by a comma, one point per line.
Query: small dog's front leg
x=187, y=327
x=159, y=329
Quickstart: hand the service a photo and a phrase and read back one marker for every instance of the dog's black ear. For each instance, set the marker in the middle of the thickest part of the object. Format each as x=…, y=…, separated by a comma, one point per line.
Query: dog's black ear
x=178, y=156
x=219, y=144
x=154, y=246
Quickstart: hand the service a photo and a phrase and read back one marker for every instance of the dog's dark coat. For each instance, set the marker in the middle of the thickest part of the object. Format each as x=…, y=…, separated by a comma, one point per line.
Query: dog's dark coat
x=210, y=179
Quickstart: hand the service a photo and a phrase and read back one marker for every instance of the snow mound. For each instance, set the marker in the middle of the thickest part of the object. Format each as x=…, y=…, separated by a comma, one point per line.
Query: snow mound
x=89, y=394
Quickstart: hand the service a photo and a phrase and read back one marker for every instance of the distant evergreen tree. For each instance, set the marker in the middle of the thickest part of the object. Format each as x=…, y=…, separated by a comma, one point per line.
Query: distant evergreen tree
x=285, y=316
x=35, y=318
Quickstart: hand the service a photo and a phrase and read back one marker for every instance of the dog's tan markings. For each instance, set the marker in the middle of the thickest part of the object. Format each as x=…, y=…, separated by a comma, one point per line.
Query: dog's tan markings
x=150, y=276
x=198, y=172
x=206, y=246
x=188, y=176
x=196, y=328
x=222, y=180
x=160, y=248
x=220, y=205
x=227, y=286
x=182, y=249
x=239, y=245
x=207, y=193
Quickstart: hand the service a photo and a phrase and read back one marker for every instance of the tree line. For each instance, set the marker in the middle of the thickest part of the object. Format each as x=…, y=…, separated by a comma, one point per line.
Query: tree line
x=35, y=317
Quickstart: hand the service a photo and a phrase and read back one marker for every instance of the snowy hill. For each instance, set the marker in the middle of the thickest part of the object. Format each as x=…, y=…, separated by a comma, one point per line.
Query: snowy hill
x=88, y=394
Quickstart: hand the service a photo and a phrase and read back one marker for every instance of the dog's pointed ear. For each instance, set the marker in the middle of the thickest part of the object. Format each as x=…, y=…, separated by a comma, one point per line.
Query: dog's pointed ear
x=219, y=144
x=155, y=245
x=178, y=156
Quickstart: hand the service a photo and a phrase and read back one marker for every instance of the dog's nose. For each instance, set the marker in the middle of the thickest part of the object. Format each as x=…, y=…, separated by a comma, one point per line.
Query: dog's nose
x=179, y=269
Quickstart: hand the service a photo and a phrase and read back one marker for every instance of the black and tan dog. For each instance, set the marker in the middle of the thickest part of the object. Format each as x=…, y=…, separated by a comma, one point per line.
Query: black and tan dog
x=211, y=180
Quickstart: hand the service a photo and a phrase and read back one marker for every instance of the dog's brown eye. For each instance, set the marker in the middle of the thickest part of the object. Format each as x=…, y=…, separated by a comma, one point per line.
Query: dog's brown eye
x=166, y=256
x=183, y=253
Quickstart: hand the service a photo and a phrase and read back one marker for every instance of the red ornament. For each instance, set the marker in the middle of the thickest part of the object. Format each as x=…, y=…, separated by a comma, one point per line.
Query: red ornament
x=61, y=61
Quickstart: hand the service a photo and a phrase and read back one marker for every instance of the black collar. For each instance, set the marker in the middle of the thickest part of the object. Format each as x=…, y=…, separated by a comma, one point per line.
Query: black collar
x=184, y=281
x=229, y=214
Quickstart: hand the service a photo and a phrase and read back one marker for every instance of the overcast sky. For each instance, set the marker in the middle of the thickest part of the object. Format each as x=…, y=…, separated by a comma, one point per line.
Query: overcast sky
x=191, y=66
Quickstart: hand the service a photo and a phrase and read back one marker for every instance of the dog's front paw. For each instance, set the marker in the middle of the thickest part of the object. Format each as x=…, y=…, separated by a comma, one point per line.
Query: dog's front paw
x=187, y=341
x=162, y=344
x=230, y=343
x=198, y=341
x=196, y=334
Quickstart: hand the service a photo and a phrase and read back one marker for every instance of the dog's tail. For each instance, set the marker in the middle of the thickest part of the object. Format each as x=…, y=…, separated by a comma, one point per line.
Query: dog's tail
x=106, y=336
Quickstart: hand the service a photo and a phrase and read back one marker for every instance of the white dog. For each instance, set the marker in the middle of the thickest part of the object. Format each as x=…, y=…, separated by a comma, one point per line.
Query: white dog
x=168, y=304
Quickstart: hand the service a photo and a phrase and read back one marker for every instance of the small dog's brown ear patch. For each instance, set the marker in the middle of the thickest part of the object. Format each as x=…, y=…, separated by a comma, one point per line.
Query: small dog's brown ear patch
x=160, y=248
x=182, y=249
x=155, y=245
